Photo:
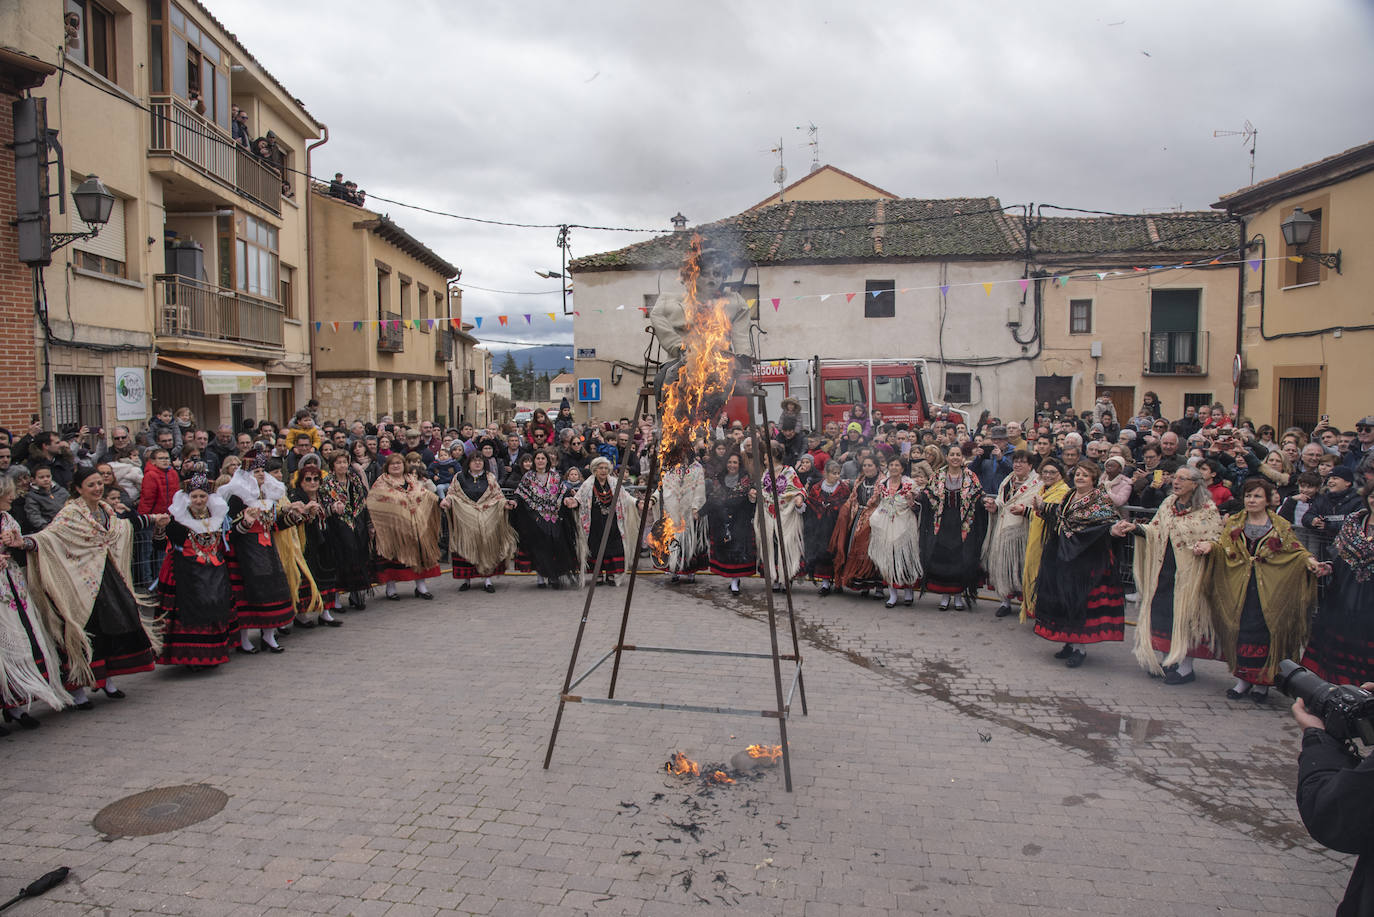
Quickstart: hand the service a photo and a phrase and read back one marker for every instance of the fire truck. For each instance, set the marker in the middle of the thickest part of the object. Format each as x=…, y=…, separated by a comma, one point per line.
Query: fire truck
x=828, y=389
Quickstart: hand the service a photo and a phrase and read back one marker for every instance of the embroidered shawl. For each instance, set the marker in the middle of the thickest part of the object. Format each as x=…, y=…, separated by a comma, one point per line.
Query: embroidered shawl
x=21, y=682
x=626, y=517
x=65, y=571
x=970, y=494
x=544, y=500
x=1084, y=511
x=348, y=490
x=1355, y=547
x=406, y=521
x=1179, y=527
x=682, y=498
x=478, y=530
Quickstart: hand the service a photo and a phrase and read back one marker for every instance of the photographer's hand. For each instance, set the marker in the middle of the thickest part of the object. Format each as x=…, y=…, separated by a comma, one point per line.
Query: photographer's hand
x=1304, y=719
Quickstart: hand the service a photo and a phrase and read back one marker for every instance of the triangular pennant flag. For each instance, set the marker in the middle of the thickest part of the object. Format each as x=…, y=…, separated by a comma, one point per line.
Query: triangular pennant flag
x=576, y=313
x=318, y=325
x=874, y=293
x=457, y=324
x=502, y=319
x=1296, y=259
x=527, y=318
x=357, y=326
x=477, y=320
x=644, y=309
x=431, y=323
x=775, y=303
x=987, y=288
x=1101, y=275
x=824, y=297
x=849, y=297
x=620, y=308
x=1063, y=280
x=1255, y=265
x=751, y=303
x=944, y=289
x=552, y=317
x=335, y=326
x=1215, y=261
x=1023, y=283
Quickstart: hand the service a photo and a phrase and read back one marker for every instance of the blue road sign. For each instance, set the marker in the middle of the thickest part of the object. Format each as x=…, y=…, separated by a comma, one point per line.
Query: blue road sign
x=588, y=389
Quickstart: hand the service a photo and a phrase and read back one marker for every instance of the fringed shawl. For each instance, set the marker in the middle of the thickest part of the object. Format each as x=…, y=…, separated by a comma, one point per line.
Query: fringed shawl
x=1035, y=545
x=65, y=571
x=784, y=502
x=970, y=492
x=479, y=531
x=894, y=543
x=21, y=682
x=682, y=498
x=290, y=544
x=626, y=517
x=1181, y=528
x=1004, y=549
x=1287, y=590
x=406, y=522
x=1083, y=512
x=544, y=500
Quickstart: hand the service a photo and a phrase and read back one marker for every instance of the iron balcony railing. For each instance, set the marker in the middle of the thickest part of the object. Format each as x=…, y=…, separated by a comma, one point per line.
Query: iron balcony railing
x=391, y=334
x=178, y=131
x=1175, y=353
x=188, y=308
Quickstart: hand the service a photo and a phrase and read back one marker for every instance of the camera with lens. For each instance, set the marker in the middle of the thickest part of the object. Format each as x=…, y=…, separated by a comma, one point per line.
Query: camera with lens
x=1347, y=712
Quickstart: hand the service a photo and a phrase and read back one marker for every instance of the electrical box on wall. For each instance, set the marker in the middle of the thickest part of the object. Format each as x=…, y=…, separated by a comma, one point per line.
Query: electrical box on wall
x=1095, y=349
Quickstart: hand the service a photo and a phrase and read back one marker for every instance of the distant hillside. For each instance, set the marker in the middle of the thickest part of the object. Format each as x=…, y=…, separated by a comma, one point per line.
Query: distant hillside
x=548, y=358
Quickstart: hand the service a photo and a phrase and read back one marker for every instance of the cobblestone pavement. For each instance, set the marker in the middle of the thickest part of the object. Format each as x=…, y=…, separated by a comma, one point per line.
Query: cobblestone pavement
x=394, y=767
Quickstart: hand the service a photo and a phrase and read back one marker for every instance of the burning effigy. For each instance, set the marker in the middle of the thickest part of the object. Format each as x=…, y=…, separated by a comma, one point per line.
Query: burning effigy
x=704, y=333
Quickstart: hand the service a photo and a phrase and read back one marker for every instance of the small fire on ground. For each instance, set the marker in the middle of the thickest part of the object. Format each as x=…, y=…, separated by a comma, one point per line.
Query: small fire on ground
x=742, y=764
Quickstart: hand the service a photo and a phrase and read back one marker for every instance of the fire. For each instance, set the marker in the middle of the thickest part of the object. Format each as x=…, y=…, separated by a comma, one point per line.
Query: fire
x=704, y=381
x=682, y=766
x=771, y=752
x=720, y=777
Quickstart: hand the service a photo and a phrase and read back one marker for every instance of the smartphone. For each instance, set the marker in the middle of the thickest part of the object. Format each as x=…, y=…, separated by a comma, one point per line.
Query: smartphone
x=1159, y=477
x=1326, y=418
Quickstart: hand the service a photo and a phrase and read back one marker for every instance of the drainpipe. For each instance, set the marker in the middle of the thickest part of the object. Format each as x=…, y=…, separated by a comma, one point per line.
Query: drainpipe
x=310, y=256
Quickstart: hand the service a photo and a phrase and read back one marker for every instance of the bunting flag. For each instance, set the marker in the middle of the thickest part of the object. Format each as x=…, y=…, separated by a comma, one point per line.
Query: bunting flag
x=552, y=317
x=1063, y=280
x=751, y=303
x=576, y=313
x=318, y=325
x=849, y=297
x=335, y=326
x=1101, y=275
x=944, y=289
x=644, y=309
x=1255, y=265
x=776, y=303
x=502, y=320
x=357, y=326
x=824, y=297
x=527, y=318
x=619, y=308
x=1296, y=259
x=477, y=320
x=1023, y=283
x=987, y=288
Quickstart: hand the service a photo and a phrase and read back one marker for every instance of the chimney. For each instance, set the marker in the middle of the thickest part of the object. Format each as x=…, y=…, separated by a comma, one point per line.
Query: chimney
x=679, y=222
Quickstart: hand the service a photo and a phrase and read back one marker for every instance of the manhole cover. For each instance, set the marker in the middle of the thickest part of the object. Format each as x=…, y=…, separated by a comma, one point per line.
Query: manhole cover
x=156, y=811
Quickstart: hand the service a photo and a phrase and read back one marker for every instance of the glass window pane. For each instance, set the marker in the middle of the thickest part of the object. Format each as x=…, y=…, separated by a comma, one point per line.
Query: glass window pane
x=179, y=65
x=178, y=18
x=222, y=100
x=192, y=33
x=156, y=78
x=209, y=48
x=242, y=259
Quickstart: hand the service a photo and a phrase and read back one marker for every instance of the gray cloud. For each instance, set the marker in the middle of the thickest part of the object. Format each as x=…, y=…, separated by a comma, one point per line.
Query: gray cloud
x=622, y=114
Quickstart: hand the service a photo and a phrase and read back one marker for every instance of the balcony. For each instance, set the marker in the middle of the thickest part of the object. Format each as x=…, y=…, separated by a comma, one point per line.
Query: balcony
x=1174, y=353
x=187, y=308
x=443, y=346
x=179, y=132
x=391, y=335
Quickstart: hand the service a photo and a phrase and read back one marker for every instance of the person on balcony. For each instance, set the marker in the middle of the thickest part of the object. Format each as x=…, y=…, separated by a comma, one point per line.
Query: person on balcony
x=239, y=131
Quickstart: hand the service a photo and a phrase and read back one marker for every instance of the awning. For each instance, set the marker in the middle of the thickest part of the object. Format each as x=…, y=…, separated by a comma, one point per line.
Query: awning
x=219, y=377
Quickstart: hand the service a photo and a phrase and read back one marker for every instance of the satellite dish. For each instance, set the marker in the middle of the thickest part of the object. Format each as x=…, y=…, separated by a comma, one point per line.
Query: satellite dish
x=780, y=175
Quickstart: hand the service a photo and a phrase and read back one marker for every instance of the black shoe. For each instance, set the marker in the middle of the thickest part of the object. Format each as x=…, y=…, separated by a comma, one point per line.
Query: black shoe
x=610, y=581
x=1260, y=697
x=247, y=652
x=116, y=694
x=332, y=622
x=1065, y=652
x=1003, y=610
x=284, y=631
x=276, y=649
x=85, y=705
x=890, y=603
x=354, y=601
x=675, y=580
x=465, y=587
x=1233, y=694
x=1172, y=677
x=908, y=602
x=489, y=589
x=302, y=622
x=823, y=591
x=734, y=590
x=424, y=595
x=393, y=596
x=1075, y=660
x=28, y=721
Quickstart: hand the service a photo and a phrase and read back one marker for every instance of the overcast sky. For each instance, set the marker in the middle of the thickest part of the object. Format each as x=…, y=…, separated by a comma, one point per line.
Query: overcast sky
x=622, y=114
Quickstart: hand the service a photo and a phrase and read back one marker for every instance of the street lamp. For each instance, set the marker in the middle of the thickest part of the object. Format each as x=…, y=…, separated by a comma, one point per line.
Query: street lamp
x=93, y=204
x=1297, y=229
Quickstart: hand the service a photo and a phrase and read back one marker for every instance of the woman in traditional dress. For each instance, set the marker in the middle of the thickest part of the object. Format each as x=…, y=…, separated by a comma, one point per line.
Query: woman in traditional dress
x=854, y=569
x=1078, y=590
x=263, y=601
x=405, y=517
x=1341, y=648
x=894, y=543
x=1259, y=620
x=730, y=523
x=824, y=500
x=1009, y=511
x=1174, y=617
x=347, y=530
x=30, y=668
x=681, y=497
x=1045, y=500
x=481, y=539
x=596, y=508
x=79, y=579
x=546, y=532
x=953, y=525
x=198, y=625
x=363, y=461
x=780, y=532
x=319, y=563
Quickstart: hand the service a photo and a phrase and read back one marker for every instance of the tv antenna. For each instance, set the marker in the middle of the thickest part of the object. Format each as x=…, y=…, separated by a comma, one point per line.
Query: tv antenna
x=1249, y=134
x=814, y=133
x=779, y=173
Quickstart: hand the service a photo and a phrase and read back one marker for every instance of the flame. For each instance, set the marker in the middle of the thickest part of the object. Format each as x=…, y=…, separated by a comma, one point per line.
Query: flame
x=682, y=766
x=704, y=381
x=771, y=752
x=720, y=777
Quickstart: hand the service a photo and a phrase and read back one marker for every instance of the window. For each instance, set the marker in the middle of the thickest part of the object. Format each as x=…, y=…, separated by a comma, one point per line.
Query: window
x=1310, y=270
x=1299, y=402
x=255, y=252
x=288, y=291
x=843, y=391
x=106, y=253
x=1196, y=400
x=1174, y=332
x=405, y=298
x=90, y=36
x=76, y=401
x=880, y=299
x=422, y=302
x=959, y=387
x=649, y=300
x=198, y=65
x=894, y=390
x=439, y=306
x=383, y=289
x=749, y=292
x=1080, y=316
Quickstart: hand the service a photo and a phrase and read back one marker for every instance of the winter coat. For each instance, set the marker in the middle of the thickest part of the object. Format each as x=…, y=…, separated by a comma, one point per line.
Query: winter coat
x=159, y=487
x=40, y=508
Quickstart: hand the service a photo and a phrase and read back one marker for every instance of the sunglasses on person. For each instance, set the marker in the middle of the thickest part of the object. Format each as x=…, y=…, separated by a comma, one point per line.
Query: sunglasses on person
x=309, y=478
